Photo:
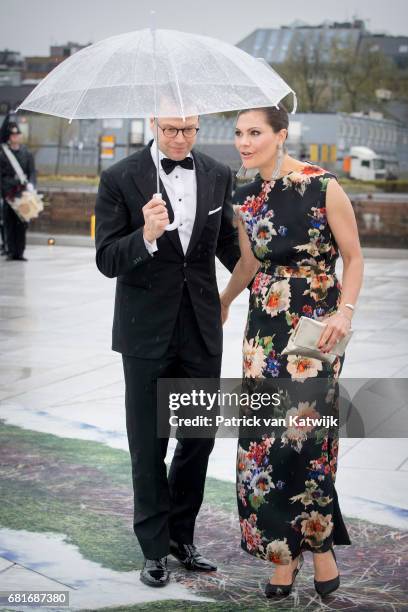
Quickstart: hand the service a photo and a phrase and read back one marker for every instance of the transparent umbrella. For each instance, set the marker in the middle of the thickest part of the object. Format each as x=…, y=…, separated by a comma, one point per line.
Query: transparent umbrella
x=164, y=73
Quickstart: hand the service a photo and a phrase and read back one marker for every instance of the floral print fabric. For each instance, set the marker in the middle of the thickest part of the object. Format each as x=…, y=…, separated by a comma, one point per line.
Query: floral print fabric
x=285, y=483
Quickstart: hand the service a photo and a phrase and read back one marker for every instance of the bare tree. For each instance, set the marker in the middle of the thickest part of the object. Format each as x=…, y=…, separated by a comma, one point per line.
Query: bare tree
x=333, y=74
x=357, y=76
x=306, y=70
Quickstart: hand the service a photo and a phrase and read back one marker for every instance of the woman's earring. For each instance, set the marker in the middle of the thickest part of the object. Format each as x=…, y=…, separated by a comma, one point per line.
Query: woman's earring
x=278, y=164
x=244, y=174
x=241, y=174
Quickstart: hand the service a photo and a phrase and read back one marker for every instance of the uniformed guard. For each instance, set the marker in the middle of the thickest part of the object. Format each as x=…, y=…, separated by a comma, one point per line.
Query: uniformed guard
x=11, y=187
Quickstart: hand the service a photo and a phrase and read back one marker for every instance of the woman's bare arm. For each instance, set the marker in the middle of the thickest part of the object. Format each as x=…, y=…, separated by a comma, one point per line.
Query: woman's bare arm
x=343, y=225
x=243, y=273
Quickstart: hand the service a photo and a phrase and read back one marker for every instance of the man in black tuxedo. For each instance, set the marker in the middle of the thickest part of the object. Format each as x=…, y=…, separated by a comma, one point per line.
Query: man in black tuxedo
x=167, y=320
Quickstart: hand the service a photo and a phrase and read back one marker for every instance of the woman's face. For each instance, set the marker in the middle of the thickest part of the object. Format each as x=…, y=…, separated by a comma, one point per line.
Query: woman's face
x=255, y=139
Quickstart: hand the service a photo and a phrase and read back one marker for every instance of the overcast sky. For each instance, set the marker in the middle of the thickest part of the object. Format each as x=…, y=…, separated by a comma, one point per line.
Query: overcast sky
x=31, y=26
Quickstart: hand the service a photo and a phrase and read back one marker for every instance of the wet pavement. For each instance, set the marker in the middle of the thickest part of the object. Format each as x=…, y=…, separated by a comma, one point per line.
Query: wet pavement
x=58, y=375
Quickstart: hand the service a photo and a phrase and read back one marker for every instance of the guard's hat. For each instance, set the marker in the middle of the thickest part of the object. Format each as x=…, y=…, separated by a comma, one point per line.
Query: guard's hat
x=7, y=129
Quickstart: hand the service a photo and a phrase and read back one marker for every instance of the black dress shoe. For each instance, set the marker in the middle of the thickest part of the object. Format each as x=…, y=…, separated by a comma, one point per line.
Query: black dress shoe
x=21, y=258
x=189, y=556
x=278, y=591
x=325, y=587
x=155, y=572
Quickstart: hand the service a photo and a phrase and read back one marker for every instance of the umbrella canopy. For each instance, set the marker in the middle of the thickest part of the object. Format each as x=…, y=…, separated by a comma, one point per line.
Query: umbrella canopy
x=164, y=73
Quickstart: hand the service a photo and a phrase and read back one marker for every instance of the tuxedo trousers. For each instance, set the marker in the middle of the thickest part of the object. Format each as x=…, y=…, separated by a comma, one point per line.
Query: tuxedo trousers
x=166, y=505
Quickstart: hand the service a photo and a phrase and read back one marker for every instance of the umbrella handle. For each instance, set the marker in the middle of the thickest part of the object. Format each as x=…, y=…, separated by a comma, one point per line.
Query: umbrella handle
x=176, y=221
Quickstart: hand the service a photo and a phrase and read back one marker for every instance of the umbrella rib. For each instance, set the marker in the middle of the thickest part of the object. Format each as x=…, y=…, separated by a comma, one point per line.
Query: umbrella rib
x=185, y=45
x=226, y=75
x=246, y=74
x=215, y=62
x=82, y=96
x=135, y=58
x=177, y=85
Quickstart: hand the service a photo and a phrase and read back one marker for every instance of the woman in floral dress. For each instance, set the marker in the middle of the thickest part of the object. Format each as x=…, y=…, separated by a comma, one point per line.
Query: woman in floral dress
x=291, y=229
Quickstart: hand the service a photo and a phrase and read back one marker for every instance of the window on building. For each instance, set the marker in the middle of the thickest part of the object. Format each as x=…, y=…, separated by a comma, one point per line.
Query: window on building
x=137, y=131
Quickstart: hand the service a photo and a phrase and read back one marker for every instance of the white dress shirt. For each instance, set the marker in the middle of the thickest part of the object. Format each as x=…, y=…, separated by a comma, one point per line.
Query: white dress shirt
x=181, y=188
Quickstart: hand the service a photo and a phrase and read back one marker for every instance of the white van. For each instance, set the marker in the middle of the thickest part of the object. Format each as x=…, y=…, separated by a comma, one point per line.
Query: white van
x=366, y=165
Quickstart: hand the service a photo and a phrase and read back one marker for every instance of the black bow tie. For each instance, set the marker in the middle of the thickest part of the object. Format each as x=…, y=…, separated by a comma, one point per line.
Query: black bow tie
x=168, y=165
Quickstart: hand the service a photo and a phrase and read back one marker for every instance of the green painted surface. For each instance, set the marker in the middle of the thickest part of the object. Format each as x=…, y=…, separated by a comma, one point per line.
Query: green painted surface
x=83, y=489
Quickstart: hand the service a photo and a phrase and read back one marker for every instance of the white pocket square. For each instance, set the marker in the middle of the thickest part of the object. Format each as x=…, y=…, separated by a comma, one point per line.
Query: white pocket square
x=211, y=212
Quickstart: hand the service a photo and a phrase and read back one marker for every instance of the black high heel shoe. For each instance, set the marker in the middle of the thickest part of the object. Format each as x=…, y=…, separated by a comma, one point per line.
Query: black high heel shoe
x=325, y=587
x=283, y=590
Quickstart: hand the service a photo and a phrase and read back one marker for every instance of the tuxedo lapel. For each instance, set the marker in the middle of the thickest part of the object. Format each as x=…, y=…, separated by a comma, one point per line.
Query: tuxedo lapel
x=145, y=180
x=205, y=186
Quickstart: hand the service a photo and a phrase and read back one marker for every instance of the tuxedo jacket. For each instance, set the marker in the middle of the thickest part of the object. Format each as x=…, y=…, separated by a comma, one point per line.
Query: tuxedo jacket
x=149, y=288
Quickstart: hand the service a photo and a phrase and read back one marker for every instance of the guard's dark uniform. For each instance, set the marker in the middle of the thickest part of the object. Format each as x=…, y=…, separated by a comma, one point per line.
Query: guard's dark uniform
x=10, y=186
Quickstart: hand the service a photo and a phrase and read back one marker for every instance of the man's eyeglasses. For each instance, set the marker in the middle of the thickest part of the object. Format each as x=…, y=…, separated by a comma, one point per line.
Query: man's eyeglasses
x=172, y=132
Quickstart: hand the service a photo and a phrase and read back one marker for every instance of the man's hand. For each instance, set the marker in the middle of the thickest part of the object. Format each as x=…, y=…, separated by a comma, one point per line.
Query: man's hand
x=156, y=218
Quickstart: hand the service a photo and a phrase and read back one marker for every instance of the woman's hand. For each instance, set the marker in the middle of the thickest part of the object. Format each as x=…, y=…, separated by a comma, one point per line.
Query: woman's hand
x=224, y=309
x=244, y=271
x=337, y=326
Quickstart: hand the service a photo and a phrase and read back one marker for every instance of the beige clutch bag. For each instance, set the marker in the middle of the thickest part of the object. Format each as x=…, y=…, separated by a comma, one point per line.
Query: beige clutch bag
x=303, y=341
